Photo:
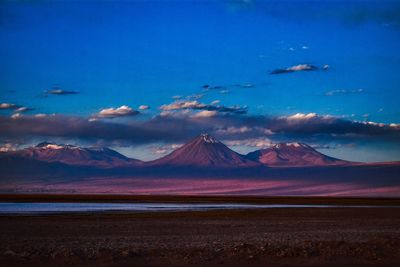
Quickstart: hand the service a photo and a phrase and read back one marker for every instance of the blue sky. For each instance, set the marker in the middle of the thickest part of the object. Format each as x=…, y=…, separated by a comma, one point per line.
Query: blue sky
x=144, y=53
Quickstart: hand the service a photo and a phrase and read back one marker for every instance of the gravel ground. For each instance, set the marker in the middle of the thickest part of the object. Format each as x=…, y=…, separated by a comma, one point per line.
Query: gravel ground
x=269, y=237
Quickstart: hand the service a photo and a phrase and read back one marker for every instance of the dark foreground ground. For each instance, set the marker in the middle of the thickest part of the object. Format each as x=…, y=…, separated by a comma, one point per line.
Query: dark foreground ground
x=269, y=237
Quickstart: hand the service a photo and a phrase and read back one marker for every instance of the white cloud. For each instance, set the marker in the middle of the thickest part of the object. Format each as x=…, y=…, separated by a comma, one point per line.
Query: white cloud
x=144, y=107
x=182, y=105
x=302, y=116
x=16, y=115
x=375, y=123
x=8, y=106
x=8, y=147
x=195, y=105
x=299, y=117
x=268, y=131
x=301, y=67
x=122, y=111
x=42, y=115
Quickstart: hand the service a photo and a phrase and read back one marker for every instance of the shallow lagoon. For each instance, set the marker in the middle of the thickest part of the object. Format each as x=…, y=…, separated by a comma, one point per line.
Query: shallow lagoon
x=57, y=207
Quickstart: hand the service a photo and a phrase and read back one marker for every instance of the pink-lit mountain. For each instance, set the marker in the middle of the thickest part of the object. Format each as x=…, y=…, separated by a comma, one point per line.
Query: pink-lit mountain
x=204, y=151
x=202, y=166
x=293, y=155
x=74, y=155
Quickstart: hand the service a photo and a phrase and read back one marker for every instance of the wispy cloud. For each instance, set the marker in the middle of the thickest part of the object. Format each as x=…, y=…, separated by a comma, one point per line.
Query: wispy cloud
x=251, y=142
x=195, y=96
x=234, y=130
x=344, y=92
x=208, y=87
x=61, y=92
x=245, y=85
x=23, y=109
x=300, y=67
x=164, y=149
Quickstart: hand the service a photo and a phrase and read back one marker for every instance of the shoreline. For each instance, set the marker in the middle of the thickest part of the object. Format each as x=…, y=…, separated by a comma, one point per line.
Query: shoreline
x=223, y=199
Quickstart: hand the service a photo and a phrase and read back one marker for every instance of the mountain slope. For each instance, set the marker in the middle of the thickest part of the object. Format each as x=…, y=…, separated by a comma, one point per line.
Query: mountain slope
x=293, y=155
x=204, y=151
x=74, y=155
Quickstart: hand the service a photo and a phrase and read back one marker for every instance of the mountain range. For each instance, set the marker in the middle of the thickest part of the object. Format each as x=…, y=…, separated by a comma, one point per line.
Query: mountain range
x=202, y=151
x=204, y=165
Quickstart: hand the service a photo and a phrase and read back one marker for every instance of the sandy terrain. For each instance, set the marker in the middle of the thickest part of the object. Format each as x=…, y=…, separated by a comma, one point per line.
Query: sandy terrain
x=272, y=237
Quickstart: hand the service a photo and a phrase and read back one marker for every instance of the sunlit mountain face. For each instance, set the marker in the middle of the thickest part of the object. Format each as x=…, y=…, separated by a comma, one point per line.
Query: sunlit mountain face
x=143, y=78
x=203, y=166
x=203, y=151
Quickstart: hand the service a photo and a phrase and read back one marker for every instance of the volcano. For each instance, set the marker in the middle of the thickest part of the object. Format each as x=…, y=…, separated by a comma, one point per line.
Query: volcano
x=204, y=151
x=74, y=155
x=293, y=155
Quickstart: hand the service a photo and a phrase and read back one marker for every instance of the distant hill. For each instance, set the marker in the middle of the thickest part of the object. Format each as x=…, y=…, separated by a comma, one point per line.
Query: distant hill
x=74, y=155
x=293, y=155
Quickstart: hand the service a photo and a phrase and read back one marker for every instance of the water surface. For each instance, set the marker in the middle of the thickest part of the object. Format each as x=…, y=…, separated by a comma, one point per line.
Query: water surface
x=49, y=208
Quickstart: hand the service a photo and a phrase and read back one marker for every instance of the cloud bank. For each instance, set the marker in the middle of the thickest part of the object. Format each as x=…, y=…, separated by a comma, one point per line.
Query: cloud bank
x=168, y=128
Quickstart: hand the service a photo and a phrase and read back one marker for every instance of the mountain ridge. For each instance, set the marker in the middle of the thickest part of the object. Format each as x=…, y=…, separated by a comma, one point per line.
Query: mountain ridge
x=201, y=151
x=74, y=155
